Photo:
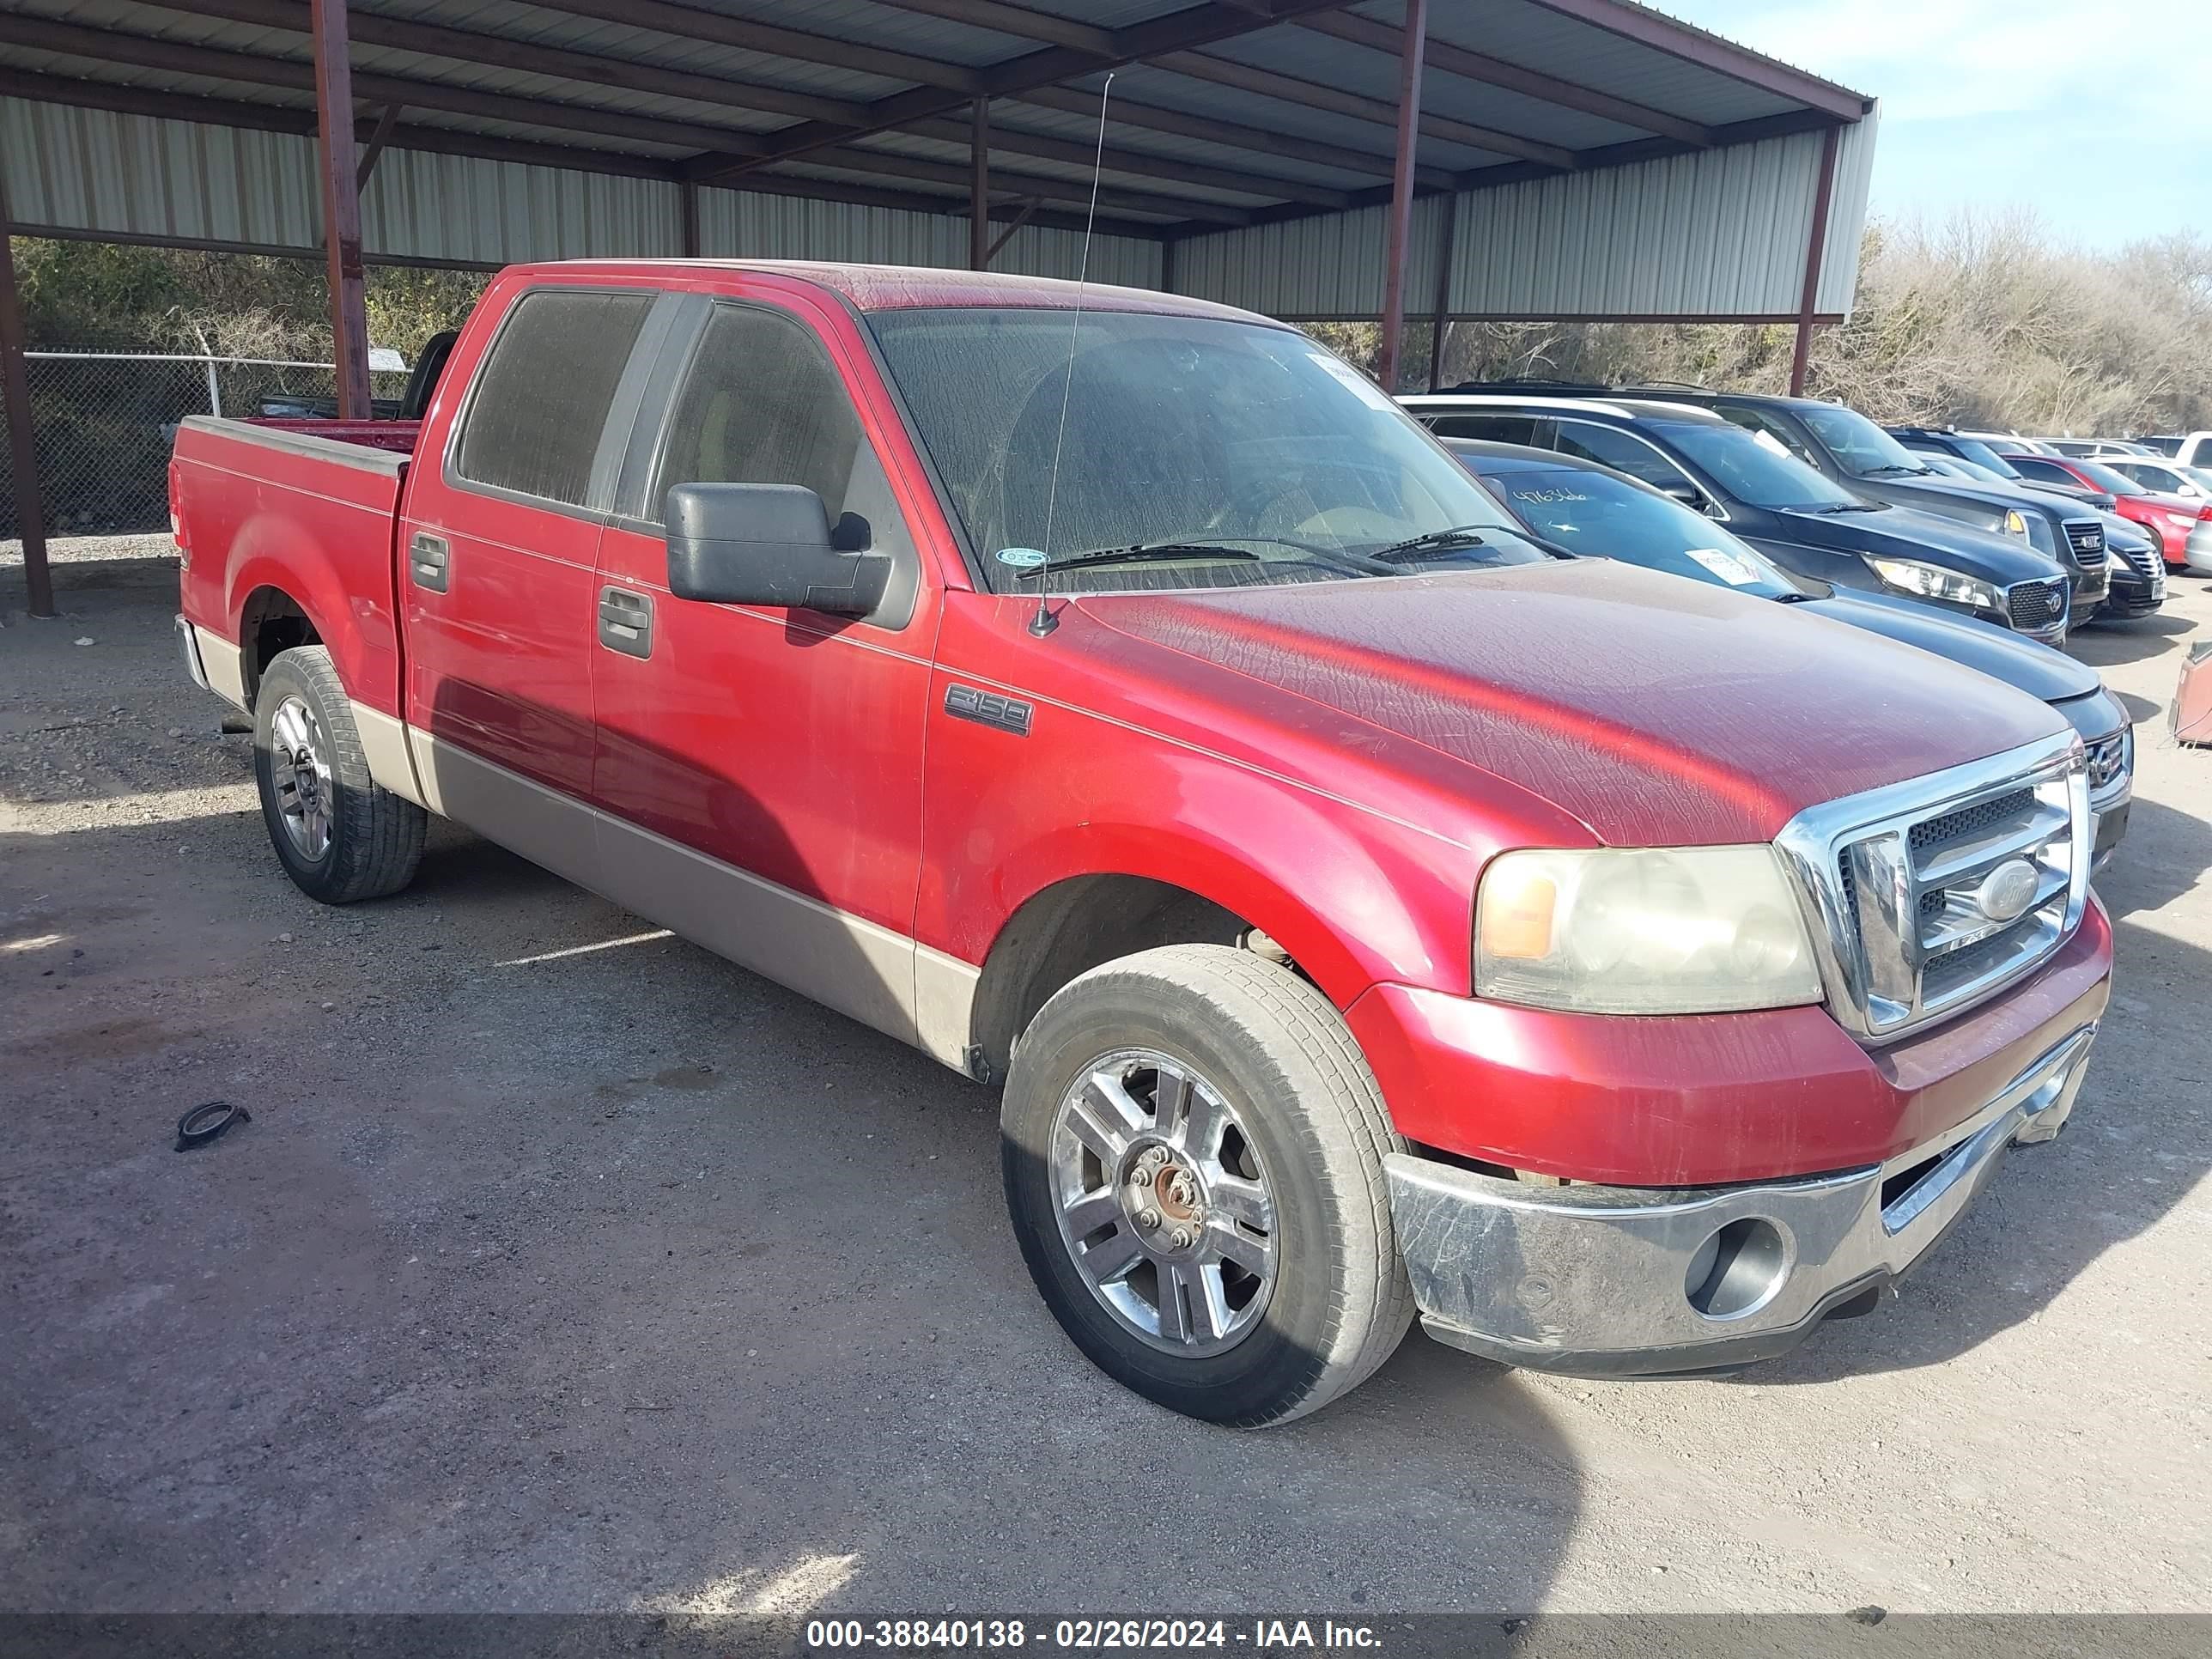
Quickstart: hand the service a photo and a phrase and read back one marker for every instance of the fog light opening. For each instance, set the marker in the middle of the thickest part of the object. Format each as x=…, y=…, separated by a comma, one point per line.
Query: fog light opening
x=1737, y=1270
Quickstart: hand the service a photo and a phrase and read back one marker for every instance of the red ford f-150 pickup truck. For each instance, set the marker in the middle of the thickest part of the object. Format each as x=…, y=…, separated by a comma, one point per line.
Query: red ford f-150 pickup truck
x=1116, y=697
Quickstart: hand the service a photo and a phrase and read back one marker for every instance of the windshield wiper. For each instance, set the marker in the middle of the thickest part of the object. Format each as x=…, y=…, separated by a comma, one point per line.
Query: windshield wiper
x=1460, y=535
x=1847, y=507
x=1889, y=467
x=1140, y=553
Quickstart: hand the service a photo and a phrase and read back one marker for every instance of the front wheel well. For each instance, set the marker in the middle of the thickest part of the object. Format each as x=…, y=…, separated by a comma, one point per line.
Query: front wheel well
x=273, y=621
x=1074, y=926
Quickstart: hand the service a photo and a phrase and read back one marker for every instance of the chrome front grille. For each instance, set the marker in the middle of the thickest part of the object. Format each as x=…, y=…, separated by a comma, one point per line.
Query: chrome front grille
x=2037, y=605
x=2109, y=762
x=1928, y=896
x=2086, y=537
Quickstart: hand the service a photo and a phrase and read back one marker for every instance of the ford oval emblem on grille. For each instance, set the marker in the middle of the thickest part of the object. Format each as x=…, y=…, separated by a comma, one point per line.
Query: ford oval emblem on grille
x=2007, y=890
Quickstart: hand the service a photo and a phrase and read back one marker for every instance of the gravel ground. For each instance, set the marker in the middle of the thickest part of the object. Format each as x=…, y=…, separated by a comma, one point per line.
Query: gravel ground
x=563, y=1267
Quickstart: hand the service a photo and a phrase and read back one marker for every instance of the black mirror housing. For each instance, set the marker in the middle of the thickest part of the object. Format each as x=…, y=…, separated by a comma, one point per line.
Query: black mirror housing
x=758, y=543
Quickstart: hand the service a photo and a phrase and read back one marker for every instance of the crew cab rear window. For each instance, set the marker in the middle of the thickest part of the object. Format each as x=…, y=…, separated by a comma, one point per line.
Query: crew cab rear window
x=532, y=424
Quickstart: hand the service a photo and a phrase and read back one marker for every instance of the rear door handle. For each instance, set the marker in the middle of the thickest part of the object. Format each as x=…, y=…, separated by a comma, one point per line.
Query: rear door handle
x=626, y=622
x=429, y=565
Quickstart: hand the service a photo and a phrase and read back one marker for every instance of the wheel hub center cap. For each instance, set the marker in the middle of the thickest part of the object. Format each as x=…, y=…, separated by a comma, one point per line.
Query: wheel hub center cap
x=1165, y=1197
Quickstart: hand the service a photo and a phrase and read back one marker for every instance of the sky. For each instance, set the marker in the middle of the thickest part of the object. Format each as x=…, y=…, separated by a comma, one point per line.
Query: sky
x=2095, y=113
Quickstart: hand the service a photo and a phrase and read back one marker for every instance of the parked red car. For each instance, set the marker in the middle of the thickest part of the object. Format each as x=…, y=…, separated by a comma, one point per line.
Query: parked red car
x=2170, y=520
x=1363, y=910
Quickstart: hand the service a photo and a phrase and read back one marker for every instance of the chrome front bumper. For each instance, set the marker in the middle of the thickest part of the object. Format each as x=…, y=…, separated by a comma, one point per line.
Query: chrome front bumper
x=1613, y=1281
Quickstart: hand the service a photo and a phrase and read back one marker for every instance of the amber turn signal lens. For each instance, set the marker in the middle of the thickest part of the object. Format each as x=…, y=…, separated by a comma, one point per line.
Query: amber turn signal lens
x=1516, y=923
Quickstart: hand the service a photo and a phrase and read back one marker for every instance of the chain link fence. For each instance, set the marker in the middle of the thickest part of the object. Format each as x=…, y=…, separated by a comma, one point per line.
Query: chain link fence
x=103, y=423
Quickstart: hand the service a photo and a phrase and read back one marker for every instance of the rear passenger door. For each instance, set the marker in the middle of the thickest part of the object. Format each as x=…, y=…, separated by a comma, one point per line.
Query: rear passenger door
x=498, y=550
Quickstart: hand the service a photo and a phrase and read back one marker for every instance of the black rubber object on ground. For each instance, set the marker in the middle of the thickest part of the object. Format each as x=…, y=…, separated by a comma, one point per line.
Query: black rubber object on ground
x=204, y=1123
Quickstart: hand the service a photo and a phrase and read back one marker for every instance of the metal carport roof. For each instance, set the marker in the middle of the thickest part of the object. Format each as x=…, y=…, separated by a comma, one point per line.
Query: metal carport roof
x=1585, y=157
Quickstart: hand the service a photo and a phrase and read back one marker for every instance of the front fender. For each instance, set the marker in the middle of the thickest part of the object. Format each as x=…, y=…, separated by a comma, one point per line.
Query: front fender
x=1355, y=897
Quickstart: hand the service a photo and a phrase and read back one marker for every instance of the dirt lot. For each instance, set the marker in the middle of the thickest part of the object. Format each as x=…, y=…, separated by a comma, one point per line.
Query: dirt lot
x=563, y=1267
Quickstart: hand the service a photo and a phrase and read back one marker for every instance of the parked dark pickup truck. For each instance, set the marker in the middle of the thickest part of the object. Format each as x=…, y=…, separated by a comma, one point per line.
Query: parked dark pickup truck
x=1137, y=710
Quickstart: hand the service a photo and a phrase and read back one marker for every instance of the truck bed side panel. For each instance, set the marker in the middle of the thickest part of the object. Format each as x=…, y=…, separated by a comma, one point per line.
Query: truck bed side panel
x=309, y=515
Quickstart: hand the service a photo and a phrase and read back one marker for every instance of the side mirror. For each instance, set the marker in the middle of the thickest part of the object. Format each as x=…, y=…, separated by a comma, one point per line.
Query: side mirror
x=755, y=543
x=1684, y=491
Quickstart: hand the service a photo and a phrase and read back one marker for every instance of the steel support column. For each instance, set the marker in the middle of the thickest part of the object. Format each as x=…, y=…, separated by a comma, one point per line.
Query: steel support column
x=1400, y=235
x=16, y=392
x=1815, y=249
x=1440, y=319
x=334, y=126
x=687, y=205
x=979, y=185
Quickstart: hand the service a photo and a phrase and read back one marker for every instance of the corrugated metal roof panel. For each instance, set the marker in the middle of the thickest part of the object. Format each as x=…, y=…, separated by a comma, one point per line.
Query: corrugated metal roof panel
x=1847, y=214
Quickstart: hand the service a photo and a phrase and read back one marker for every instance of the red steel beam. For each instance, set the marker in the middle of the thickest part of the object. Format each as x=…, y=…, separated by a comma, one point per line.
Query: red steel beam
x=1401, y=194
x=1816, y=246
x=341, y=211
x=1313, y=94
x=1512, y=77
x=1177, y=31
x=1649, y=28
x=16, y=392
x=979, y=185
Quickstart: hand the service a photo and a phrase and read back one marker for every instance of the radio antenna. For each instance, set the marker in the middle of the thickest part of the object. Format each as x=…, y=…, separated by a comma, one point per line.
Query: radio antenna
x=1044, y=622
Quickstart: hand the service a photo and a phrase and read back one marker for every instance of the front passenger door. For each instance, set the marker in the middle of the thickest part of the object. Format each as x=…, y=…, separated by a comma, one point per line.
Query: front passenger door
x=780, y=747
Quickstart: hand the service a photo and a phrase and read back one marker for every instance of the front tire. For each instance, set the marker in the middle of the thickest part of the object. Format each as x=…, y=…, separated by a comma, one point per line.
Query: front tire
x=1192, y=1153
x=340, y=835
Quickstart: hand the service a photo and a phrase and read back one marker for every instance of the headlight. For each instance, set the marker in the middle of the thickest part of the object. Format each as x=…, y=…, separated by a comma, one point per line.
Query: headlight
x=2015, y=523
x=1932, y=582
x=1678, y=930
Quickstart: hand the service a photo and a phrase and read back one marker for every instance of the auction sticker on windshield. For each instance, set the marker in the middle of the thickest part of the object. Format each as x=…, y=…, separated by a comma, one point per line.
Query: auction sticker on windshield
x=1731, y=568
x=1369, y=393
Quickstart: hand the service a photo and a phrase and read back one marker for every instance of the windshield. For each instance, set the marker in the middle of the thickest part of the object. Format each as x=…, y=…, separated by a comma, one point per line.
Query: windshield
x=1861, y=448
x=1756, y=471
x=1609, y=517
x=1974, y=450
x=1220, y=453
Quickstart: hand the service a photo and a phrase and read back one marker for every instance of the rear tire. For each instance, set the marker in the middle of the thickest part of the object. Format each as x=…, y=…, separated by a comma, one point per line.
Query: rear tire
x=341, y=835
x=1242, y=1087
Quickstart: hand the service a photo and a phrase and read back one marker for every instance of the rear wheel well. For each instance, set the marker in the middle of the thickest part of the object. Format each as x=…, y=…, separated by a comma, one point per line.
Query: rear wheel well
x=1072, y=926
x=273, y=621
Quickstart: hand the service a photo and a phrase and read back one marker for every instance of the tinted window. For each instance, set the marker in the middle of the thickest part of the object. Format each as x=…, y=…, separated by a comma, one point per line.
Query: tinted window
x=1621, y=452
x=1255, y=454
x=1497, y=429
x=1861, y=448
x=1778, y=434
x=541, y=398
x=2043, y=471
x=2101, y=476
x=1753, y=468
x=762, y=404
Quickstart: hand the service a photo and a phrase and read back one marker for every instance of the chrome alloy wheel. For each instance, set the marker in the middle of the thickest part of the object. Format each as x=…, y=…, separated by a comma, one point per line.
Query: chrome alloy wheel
x=1163, y=1205
x=301, y=777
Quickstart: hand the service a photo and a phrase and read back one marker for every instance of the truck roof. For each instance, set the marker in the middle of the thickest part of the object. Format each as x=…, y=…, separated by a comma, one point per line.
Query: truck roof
x=903, y=288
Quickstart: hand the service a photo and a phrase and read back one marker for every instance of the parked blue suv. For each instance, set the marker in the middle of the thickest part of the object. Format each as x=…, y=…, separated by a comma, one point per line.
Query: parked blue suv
x=1800, y=520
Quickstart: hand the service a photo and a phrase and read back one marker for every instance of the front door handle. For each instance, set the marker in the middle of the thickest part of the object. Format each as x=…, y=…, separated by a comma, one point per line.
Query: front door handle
x=626, y=622
x=429, y=565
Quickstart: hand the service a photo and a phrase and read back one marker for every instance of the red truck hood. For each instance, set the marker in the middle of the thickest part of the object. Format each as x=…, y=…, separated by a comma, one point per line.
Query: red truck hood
x=1655, y=710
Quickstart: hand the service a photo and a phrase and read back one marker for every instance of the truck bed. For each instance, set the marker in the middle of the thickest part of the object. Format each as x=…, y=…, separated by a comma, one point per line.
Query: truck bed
x=308, y=508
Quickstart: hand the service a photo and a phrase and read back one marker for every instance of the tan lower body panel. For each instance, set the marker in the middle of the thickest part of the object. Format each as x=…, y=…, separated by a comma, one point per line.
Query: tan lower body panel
x=383, y=744
x=224, y=665
x=876, y=976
